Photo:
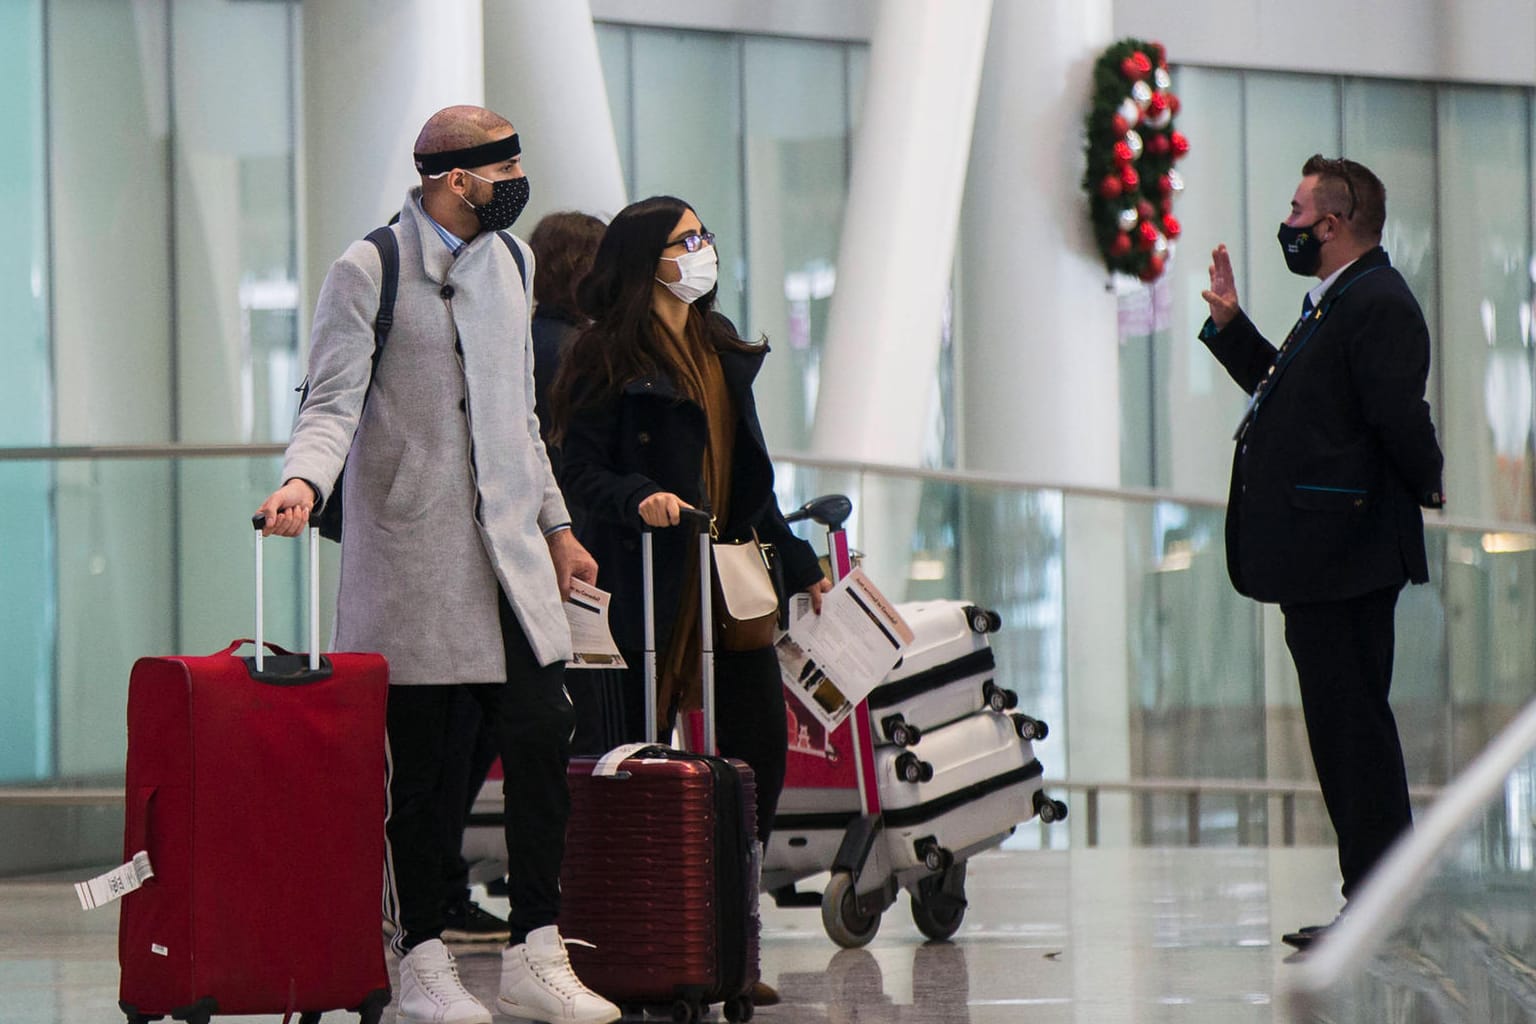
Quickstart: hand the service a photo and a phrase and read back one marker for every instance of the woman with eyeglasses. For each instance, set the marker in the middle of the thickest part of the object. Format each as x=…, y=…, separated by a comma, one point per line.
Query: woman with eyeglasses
x=654, y=413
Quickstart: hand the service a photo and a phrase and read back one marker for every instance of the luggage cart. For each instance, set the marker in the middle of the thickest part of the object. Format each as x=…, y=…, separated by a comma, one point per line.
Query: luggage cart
x=831, y=817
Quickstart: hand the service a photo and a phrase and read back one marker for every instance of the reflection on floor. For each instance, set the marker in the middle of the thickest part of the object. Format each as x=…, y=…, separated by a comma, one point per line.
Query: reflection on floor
x=1100, y=936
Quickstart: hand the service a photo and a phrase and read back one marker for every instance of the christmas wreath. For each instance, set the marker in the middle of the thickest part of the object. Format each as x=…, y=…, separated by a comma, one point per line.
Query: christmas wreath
x=1131, y=147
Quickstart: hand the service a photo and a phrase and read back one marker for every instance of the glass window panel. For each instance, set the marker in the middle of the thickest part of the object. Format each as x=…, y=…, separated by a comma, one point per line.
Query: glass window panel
x=613, y=52
x=1200, y=403
x=796, y=181
x=687, y=125
x=26, y=533
x=1485, y=215
x=1390, y=127
x=108, y=134
x=1287, y=118
x=235, y=255
x=25, y=386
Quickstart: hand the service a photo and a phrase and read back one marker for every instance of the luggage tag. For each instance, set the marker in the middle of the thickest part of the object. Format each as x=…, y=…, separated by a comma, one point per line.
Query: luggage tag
x=608, y=765
x=115, y=884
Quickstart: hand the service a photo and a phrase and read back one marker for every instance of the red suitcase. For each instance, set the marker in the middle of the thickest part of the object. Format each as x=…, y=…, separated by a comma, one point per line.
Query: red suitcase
x=662, y=864
x=259, y=797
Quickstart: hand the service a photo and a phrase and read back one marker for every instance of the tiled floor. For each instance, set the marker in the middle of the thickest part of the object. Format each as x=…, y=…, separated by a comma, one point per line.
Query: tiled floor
x=1100, y=936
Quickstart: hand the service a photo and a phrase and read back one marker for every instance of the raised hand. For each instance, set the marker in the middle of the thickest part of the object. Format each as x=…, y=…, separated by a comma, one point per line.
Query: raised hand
x=1222, y=295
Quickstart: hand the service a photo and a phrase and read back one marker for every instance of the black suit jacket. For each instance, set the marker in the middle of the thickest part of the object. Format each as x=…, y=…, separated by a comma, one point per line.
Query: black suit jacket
x=1329, y=475
x=622, y=448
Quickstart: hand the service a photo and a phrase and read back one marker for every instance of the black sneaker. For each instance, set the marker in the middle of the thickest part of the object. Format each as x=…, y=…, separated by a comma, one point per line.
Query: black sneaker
x=469, y=922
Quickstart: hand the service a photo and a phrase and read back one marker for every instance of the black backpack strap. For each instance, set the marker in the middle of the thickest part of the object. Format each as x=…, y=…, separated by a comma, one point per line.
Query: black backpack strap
x=517, y=254
x=383, y=239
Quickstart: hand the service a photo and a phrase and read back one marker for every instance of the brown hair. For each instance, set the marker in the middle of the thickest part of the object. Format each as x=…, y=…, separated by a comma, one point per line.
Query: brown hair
x=563, y=243
x=1349, y=190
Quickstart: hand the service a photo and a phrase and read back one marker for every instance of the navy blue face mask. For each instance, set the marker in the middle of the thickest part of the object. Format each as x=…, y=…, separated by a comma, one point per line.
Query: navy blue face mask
x=1302, y=248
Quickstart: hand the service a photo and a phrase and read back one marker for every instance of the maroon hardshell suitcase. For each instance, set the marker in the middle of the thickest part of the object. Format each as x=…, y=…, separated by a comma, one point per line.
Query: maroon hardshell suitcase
x=662, y=865
x=259, y=797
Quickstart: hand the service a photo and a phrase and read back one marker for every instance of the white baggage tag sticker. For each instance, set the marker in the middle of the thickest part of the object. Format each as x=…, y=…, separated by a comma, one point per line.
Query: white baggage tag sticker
x=115, y=884
x=608, y=764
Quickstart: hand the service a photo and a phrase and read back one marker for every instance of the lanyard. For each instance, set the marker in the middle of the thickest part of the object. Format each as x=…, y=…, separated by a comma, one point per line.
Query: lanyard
x=1288, y=352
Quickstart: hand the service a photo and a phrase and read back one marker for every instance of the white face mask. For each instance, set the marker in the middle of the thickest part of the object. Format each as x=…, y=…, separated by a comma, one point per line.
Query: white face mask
x=699, y=271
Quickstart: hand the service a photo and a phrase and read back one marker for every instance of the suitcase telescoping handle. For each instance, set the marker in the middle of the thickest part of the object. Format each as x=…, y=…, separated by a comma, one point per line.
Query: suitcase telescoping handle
x=699, y=520
x=258, y=521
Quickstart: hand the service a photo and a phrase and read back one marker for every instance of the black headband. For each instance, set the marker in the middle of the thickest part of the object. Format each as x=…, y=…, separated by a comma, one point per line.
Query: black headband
x=474, y=156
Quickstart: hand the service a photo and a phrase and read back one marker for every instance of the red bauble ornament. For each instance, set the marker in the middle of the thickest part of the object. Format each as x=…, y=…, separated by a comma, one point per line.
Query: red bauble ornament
x=1158, y=103
x=1153, y=269
x=1156, y=143
x=1159, y=54
x=1171, y=226
x=1110, y=187
x=1167, y=205
x=1164, y=184
x=1128, y=68
x=1173, y=103
x=1118, y=125
x=1121, y=246
x=1179, y=143
x=1129, y=179
x=1146, y=235
x=1123, y=153
x=1142, y=62
x=1145, y=210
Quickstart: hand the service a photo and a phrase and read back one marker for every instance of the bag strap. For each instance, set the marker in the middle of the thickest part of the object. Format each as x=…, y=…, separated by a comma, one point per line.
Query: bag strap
x=517, y=254
x=384, y=241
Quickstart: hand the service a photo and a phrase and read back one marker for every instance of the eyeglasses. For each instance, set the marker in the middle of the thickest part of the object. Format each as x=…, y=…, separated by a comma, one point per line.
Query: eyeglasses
x=693, y=241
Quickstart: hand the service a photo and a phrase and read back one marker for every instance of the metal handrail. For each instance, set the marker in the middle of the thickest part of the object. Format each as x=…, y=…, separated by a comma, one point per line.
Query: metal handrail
x=1193, y=790
x=1436, y=519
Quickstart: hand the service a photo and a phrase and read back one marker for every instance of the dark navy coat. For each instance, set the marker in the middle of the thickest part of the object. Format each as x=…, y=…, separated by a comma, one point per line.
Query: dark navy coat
x=1339, y=454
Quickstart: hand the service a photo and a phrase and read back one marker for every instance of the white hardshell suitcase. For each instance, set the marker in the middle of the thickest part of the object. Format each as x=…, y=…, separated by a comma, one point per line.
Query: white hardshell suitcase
x=945, y=674
x=966, y=788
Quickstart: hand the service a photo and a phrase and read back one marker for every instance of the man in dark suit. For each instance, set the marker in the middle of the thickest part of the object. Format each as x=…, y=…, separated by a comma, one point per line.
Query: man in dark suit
x=1335, y=455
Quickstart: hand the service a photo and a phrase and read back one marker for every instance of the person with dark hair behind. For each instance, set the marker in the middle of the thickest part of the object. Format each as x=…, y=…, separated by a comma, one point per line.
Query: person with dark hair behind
x=563, y=243
x=654, y=413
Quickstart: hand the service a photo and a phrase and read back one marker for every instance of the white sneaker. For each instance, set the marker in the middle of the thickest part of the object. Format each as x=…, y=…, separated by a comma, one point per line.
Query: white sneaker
x=430, y=990
x=537, y=983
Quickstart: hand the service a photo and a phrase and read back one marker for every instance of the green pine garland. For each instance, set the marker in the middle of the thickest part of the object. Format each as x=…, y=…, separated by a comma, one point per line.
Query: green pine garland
x=1131, y=146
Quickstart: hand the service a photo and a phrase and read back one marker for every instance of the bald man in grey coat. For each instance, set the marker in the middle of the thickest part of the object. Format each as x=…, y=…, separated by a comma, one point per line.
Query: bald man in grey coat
x=456, y=550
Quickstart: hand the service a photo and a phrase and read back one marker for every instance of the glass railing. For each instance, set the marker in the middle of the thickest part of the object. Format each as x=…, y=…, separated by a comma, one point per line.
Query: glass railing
x=1120, y=628
x=1444, y=931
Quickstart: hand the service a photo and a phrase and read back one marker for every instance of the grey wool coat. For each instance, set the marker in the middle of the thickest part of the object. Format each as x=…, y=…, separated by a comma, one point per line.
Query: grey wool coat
x=448, y=489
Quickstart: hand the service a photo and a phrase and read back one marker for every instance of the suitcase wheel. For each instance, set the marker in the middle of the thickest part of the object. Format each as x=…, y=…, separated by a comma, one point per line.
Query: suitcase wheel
x=938, y=904
x=982, y=620
x=737, y=1010
x=910, y=769
x=685, y=1012
x=1049, y=810
x=899, y=732
x=934, y=857
x=1030, y=728
x=840, y=914
x=997, y=698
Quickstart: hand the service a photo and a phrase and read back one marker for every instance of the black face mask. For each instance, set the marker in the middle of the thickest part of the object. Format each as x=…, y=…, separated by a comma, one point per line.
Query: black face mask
x=1302, y=248
x=508, y=197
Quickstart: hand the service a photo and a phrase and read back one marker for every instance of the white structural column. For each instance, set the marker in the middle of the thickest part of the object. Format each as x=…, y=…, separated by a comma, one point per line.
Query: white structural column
x=1040, y=363
x=374, y=71
x=894, y=259
x=542, y=71
x=1039, y=358
x=898, y=242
